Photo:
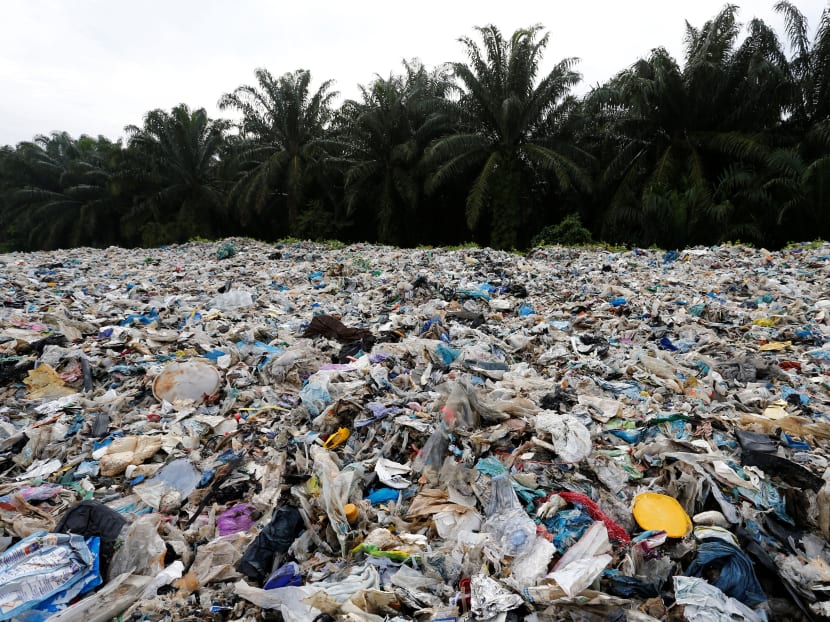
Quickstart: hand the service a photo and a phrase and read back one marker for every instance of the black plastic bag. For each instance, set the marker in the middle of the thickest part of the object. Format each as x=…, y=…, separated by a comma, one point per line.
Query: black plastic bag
x=258, y=560
x=91, y=518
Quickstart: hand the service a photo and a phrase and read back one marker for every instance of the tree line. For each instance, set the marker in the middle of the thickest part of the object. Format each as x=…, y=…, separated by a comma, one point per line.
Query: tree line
x=732, y=143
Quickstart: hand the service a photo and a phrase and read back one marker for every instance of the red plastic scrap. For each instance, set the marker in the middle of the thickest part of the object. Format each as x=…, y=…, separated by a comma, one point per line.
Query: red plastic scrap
x=615, y=531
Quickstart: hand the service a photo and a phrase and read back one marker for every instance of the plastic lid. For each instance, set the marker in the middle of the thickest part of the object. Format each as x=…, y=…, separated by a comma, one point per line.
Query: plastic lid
x=351, y=512
x=654, y=511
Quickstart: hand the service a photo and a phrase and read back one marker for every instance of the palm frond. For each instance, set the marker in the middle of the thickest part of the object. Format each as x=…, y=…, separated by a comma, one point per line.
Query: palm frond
x=480, y=189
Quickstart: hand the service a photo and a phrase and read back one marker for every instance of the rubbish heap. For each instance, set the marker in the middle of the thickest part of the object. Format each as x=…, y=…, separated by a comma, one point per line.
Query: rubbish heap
x=240, y=431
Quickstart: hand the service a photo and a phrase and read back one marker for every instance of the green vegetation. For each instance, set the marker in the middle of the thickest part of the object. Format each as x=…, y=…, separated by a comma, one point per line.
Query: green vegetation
x=569, y=232
x=462, y=247
x=730, y=142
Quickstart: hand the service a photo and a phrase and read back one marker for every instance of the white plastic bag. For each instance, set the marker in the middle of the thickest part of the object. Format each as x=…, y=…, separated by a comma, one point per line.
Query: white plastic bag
x=571, y=439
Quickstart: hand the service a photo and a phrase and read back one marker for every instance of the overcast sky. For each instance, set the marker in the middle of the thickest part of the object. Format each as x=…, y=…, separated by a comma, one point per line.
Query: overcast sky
x=94, y=66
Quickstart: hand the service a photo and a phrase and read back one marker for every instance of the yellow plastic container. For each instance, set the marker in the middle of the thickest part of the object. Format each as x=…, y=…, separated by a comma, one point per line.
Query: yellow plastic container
x=654, y=511
x=338, y=438
x=351, y=512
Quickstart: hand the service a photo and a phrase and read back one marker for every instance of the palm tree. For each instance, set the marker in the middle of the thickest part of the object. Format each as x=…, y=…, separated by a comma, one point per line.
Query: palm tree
x=64, y=195
x=810, y=65
x=800, y=169
x=176, y=156
x=382, y=139
x=509, y=131
x=670, y=135
x=282, y=127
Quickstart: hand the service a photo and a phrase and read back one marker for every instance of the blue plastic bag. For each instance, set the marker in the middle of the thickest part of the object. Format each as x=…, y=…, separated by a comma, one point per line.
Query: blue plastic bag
x=315, y=398
x=284, y=576
x=737, y=574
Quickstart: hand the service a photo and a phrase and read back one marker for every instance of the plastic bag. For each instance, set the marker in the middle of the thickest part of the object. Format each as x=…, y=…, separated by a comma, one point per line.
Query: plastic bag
x=44, y=383
x=737, y=575
x=91, y=518
x=457, y=411
x=335, y=489
x=571, y=439
x=703, y=602
x=291, y=601
x=513, y=529
x=610, y=473
x=567, y=527
x=445, y=354
x=528, y=569
x=392, y=473
x=276, y=538
x=236, y=518
x=411, y=579
x=315, y=397
x=285, y=576
x=107, y=603
x=165, y=577
x=127, y=450
x=448, y=524
x=584, y=561
x=216, y=560
x=430, y=458
x=142, y=551
x=170, y=486
x=235, y=299
x=489, y=598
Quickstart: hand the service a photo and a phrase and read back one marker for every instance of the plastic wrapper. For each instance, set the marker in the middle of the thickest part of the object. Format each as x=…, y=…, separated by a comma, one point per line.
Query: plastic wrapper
x=41, y=568
x=489, y=598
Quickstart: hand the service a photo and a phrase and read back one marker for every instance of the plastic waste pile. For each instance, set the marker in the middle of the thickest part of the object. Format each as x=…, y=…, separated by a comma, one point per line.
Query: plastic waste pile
x=238, y=431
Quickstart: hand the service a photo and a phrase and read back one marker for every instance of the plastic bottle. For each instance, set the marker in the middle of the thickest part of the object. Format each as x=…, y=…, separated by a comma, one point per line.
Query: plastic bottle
x=513, y=529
